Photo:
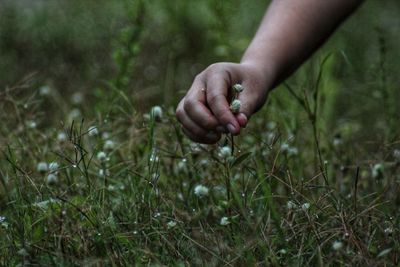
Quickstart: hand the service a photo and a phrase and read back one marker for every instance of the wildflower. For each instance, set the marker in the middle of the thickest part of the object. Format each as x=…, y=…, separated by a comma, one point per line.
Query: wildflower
x=61, y=137
x=282, y=251
x=290, y=205
x=201, y=191
x=2, y=219
x=377, y=171
x=225, y=152
x=238, y=88
x=293, y=151
x=102, y=156
x=53, y=166
x=31, y=124
x=388, y=230
x=51, y=179
x=156, y=112
x=42, y=167
x=305, y=206
x=44, y=90
x=93, y=131
x=109, y=145
x=104, y=172
x=224, y=221
x=235, y=106
x=337, y=245
x=171, y=224
x=77, y=98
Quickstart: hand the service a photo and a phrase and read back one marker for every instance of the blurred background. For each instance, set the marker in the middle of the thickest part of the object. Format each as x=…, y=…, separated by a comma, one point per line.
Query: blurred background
x=151, y=50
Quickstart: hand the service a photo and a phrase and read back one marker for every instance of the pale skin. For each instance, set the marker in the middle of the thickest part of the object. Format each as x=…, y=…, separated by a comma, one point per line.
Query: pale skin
x=290, y=32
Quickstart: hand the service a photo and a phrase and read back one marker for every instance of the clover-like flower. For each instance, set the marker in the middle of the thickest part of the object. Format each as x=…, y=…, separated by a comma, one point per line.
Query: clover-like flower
x=201, y=191
x=235, y=106
x=238, y=88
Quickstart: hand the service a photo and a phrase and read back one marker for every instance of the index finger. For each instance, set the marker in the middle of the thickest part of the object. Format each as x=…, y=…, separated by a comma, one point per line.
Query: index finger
x=217, y=93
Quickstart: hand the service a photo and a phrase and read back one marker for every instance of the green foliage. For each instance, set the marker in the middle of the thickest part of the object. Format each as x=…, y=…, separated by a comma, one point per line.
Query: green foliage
x=304, y=186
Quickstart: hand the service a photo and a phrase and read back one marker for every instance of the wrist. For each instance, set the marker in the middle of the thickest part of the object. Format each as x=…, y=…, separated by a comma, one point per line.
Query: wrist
x=264, y=74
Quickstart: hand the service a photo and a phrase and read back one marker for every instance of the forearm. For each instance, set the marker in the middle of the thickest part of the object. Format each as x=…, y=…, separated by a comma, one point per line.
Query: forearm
x=291, y=31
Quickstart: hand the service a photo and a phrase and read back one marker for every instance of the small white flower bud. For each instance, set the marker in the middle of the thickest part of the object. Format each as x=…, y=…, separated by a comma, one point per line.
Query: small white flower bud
x=157, y=112
x=225, y=152
x=235, y=106
x=109, y=145
x=238, y=88
x=305, y=206
x=51, y=179
x=53, y=166
x=93, y=131
x=102, y=156
x=201, y=191
x=337, y=245
x=61, y=137
x=42, y=167
x=224, y=221
x=171, y=224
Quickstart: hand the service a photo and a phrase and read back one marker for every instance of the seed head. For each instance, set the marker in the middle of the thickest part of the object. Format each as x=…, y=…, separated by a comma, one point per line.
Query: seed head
x=337, y=245
x=224, y=221
x=238, y=88
x=109, y=145
x=157, y=113
x=51, y=179
x=42, y=167
x=102, y=156
x=201, y=191
x=225, y=152
x=235, y=106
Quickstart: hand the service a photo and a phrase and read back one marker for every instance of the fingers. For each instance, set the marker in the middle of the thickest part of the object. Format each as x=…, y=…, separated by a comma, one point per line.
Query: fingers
x=218, y=85
x=195, y=105
x=193, y=130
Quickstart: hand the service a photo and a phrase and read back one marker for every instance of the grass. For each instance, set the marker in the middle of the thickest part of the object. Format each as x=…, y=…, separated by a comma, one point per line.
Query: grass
x=132, y=199
x=98, y=176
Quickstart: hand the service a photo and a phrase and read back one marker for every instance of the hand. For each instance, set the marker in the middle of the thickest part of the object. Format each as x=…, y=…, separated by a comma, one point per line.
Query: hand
x=204, y=112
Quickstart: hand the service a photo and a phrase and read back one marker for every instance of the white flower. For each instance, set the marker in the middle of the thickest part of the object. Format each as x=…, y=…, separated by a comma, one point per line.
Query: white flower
x=201, y=191
x=290, y=205
x=102, y=156
x=109, y=145
x=293, y=151
x=225, y=152
x=171, y=224
x=238, y=88
x=51, y=179
x=44, y=90
x=156, y=112
x=2, y=219
x=61, y=137
x=42, y=167
x=224, y=221
x=337, y=245
x=77, y=98
x=282, y=251
x=53, y=166
x=104, y=172
x=235, y=106
x=93, y=131
x=305, y=206
x=31, y=124
x=377, y=170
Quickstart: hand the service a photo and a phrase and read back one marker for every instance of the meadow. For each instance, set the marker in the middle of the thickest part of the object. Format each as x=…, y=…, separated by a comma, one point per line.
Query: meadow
x=95, y=170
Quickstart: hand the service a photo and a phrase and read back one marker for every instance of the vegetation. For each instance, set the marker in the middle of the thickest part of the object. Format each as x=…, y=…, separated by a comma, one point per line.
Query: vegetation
x=95, y=171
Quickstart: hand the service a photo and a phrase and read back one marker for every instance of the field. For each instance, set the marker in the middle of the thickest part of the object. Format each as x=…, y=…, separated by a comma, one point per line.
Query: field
x=95, y=170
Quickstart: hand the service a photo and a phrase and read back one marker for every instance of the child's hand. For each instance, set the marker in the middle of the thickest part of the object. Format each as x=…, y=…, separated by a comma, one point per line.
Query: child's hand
x=204, y=112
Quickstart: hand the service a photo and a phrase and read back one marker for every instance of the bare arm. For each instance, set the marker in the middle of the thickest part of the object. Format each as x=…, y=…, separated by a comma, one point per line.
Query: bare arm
x=289, y=33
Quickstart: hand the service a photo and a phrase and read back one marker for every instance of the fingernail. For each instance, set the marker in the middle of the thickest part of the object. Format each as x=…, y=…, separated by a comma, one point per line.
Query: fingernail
x=231, y=128
x=221, y=129
x=211, y=135
x=243, y=120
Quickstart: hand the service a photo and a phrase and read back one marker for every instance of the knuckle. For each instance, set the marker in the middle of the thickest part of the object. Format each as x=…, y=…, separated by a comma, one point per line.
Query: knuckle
x=188, y=104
